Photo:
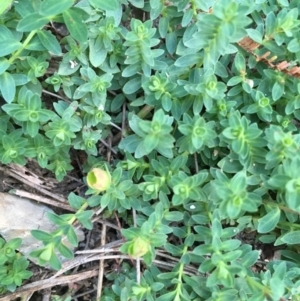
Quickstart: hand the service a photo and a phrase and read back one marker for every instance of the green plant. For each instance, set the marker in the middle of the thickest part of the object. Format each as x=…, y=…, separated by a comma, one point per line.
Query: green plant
x=203, y=105
x=12, y=266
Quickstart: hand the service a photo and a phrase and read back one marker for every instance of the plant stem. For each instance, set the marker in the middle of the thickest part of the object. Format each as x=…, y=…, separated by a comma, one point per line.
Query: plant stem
x=24, y=45
x=253, y=283
x=81, y=209
x=281, y=207
x=145, y=111
x=181, y=269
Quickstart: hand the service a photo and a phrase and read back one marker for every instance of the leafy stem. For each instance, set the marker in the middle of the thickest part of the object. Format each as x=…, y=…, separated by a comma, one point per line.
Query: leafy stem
x=181, y=269
x=24, y=45
x=253, y=283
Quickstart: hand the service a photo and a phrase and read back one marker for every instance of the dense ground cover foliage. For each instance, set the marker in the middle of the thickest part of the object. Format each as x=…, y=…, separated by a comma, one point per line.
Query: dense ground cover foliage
x=200, y=103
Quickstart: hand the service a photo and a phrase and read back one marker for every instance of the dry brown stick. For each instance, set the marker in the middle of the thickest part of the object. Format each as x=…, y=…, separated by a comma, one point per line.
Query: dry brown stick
x=174, y=259
x=189, y=270
x=113, y=247
x=123, y=117
x=55, y=95
x=97, y=213
x=46, y=297
x=83, y=294
x=81, y=259
x=88, y=258
x=138, y=260
x=102, y=221
x=42, y=284
x=101, y=264
x=41, y=199
x=107, y=145
x=196, y=163
x=42, y=190
x=108, y=155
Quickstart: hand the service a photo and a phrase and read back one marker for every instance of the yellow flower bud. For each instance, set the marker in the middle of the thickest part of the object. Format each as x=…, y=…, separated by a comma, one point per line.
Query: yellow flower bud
x=99, y=179
x=139, y=247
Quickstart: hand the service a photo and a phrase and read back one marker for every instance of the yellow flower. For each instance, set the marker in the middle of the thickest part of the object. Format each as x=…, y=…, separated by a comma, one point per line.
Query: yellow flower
x=99, y=179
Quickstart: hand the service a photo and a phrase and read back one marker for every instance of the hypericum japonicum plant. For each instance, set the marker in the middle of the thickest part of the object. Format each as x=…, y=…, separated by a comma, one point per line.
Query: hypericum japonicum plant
x=185, y=116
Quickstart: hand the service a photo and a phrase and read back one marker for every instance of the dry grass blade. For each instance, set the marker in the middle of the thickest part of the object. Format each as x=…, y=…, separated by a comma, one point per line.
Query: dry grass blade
x=47, y=283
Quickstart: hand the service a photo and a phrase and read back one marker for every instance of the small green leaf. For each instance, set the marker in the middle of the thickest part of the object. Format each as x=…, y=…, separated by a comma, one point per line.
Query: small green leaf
x=270, y=23
x=294, y=45
x=85, y=215
x=168, y=275
x=105, y=5
x=188, y=60
x=74, y=21
x=97, y=55
x=56, y=219
x=174, y=216
x=55, y=7
x=46, y=254
x=234, y=81
x=21, y=264
x=203, y=249
x=66, y=252
x=277, y=91
x=5, y=5
x=72, y=236
x=137, y=3
x=32, y=22
x=171, y=42
x=49, y=41
x=239, y=62
x=14, y=243
x=278, y=181
x=9, y=46
x=187, y=17
x=7, y=87
x=255, y=35
x=4, y=65
x=269, y=221
x=163, y=26
x=41, y=235
x=75, y=200
x=54, y=262
x=31, y=128
x=291, y=238
x=132, y=85
x=168, y=296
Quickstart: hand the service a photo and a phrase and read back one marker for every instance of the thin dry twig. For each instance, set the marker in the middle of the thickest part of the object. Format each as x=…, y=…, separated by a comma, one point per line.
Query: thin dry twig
x=115, y=126
x=196, y=163
x=102, y=221
x=108, y=155
x=85, y=259
x=101, y=264
x=138, y=260
x=81, y=259
x=114, y=247
x=25, y=181
x=107, y=145
x=41, y=199
x=189, y=270
x=50, y=282
x=83, y=294
x=55, y=95
x=123, y=117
